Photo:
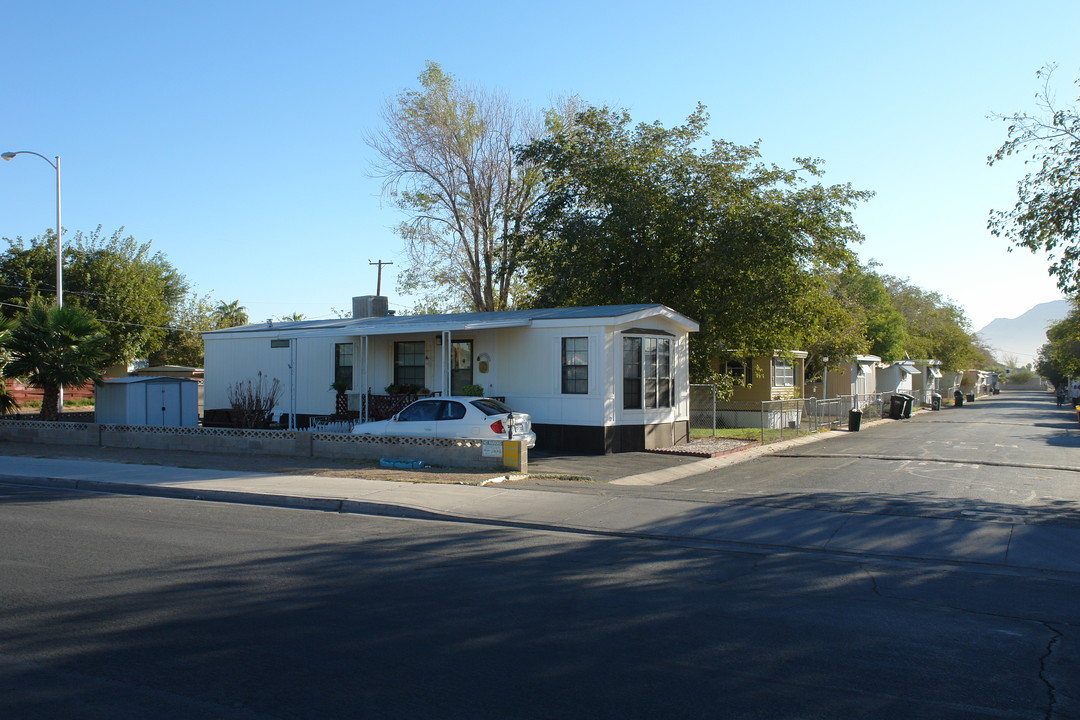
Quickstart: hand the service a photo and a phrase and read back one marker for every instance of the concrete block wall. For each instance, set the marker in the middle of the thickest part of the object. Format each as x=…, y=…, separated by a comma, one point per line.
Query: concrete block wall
x=283, y=443
x=50, y=433
x=209, y=440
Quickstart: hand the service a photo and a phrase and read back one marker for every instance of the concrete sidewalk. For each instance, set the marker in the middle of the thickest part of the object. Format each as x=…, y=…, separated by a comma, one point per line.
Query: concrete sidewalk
x=747, y=527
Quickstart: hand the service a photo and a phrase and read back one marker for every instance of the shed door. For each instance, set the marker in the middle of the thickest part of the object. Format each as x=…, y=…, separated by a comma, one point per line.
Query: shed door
x=163, y=405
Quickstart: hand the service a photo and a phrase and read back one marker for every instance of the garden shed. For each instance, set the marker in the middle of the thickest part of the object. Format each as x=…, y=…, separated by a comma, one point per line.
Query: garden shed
x=155, y=401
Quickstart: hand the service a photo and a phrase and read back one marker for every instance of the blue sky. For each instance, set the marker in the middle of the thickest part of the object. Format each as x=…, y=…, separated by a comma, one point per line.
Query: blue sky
x=230, y=133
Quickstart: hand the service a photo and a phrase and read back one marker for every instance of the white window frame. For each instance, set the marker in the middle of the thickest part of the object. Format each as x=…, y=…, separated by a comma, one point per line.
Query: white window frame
x=563, y=364
x=783, y=373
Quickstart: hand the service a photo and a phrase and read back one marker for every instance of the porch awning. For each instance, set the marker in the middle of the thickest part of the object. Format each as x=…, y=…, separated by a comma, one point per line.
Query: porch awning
x=910, y=369
x=934, y=372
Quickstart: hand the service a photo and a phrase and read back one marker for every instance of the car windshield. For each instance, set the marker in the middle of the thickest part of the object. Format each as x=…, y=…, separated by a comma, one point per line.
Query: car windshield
x=491, y=407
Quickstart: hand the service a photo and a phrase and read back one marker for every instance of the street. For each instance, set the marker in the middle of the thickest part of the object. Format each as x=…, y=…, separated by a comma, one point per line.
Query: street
x=1015, y=453
x=113, y=606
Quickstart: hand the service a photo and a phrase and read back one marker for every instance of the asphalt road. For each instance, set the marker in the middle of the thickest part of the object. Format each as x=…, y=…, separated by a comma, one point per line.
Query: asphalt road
x=1016, y=454
x=114, y=606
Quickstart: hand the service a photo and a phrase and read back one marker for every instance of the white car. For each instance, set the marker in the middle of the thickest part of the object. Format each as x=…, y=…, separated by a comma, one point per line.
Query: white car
x=476, y=418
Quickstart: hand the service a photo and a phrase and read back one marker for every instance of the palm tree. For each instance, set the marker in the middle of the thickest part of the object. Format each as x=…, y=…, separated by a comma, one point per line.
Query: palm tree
x=228, y=315
x=7, y=401
x=55, y=346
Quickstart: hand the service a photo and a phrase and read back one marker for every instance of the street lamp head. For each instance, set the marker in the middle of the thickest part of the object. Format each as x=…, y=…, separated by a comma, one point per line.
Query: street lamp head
x=8, y=155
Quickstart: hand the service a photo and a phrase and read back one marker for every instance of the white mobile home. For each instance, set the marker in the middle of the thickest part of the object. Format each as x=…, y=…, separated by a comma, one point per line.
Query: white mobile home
x=603, y=379
x=856, y=375
x=897, y=377
x=928, y=383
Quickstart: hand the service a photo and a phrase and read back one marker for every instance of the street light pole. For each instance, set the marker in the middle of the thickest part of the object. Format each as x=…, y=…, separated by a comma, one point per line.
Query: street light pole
x=59, y=241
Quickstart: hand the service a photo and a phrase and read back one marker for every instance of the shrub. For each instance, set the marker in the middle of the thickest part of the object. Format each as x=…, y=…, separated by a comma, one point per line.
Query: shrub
x=253, y=402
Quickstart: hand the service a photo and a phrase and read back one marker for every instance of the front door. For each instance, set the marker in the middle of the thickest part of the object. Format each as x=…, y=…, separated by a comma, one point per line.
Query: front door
x=461, y=365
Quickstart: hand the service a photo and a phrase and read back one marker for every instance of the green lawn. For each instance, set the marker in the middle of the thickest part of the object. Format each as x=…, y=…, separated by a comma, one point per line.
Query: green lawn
x=737, y=433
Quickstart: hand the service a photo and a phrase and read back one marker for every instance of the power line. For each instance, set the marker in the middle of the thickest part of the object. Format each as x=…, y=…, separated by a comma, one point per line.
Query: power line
x=123, y=322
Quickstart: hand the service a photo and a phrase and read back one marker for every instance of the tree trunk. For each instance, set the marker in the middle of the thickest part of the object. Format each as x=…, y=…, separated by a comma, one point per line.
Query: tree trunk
x=50, y=401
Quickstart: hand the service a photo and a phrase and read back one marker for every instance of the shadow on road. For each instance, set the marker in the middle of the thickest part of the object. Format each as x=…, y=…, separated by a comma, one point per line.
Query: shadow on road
x=483, y=623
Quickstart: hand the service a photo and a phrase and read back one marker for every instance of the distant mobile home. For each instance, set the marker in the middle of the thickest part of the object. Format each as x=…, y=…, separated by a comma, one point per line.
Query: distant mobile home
x=897, y=377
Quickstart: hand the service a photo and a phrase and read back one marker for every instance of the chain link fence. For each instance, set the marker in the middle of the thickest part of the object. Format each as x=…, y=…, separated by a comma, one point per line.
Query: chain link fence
x=775, y=420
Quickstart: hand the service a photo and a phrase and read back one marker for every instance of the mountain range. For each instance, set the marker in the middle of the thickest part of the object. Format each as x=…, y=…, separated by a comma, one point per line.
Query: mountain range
x=1021, y=337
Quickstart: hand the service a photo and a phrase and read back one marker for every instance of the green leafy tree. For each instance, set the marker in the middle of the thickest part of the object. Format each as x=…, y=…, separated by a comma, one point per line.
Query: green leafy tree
x=56, y=346
x=647, y=213
x=447, y=160
x=835, y=332
x=1021, y=376
x=1047, y=212
x=183, y=344
x=228, y=315
x=116, y=279
x=936, y=328
x=1059, y=358
x=861, y=292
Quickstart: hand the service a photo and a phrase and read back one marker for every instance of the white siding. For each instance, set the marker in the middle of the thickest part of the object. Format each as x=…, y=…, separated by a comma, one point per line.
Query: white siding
x=232, y=360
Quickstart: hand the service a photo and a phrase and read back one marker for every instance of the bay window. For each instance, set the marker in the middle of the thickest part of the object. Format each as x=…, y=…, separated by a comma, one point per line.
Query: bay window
x=646, y=373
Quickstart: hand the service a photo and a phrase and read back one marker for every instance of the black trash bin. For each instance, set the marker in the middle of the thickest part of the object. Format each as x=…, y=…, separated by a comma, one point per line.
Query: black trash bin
x=909, y=400
x=958, y=398
x=854, y=420
x=935, y=402
x=971, y=397
x=896, y=407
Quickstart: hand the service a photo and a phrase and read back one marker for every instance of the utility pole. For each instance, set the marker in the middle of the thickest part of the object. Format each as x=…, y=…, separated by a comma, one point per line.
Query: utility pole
x=378, y=286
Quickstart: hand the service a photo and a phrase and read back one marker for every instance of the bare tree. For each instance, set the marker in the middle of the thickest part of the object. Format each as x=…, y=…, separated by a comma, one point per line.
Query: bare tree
x=447, y=159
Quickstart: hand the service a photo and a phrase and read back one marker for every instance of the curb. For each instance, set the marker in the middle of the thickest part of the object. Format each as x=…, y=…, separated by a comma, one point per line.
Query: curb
x=374, y=509
x=296, y=502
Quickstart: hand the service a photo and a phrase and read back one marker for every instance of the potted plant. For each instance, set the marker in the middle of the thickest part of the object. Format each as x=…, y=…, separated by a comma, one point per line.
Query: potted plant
x=473, y=390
